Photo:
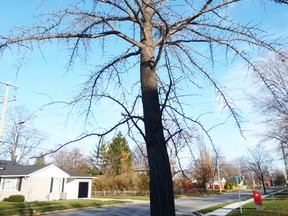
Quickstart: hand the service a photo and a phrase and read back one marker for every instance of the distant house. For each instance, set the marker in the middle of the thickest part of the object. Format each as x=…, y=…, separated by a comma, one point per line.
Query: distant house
x=45, y=182
x=221, y=185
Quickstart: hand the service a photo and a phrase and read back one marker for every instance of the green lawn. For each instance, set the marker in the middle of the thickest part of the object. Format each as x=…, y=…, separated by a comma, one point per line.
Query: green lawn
x=276, y=204
x=13, y=208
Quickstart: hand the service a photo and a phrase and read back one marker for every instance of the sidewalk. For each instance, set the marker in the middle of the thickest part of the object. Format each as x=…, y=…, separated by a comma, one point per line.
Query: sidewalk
x=226, y=209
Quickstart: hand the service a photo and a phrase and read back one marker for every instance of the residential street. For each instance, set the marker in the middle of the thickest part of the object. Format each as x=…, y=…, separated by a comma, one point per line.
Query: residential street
x=184, y=206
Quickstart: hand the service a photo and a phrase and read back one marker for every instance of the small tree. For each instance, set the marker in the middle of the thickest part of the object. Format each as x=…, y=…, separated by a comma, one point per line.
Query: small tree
x=259, y=161
x=202, y=167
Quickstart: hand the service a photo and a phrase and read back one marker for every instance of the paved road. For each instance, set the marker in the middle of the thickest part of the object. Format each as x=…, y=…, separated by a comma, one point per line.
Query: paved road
x=136, y=208
x=184, y=206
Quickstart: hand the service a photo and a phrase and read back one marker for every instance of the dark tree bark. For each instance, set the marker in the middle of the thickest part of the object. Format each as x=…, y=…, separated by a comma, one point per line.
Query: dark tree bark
x=162, y=198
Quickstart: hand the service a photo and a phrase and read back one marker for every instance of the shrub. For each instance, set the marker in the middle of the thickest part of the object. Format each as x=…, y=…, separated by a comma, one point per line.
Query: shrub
x=124, y=181
x=6, y=199
x=227, y=186
x=16, y=198
x=143, y=182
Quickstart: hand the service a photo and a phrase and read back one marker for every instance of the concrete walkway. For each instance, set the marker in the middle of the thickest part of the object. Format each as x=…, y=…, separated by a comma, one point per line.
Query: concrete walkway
x=226, y=209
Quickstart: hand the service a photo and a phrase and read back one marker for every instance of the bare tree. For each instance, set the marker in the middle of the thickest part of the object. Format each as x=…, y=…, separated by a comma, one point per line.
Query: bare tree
x=228, y=170
x=159, y=36
x=217, y=162
x=71, y=160
x=272, y=100
x=259, y=161
x=20, y=138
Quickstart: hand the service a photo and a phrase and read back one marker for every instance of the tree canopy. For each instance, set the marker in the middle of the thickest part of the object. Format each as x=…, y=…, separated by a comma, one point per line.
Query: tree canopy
x=171, y=43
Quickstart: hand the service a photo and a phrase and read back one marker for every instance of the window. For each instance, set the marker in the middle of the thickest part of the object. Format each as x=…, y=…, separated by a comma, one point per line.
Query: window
x=56, y=185
x=10, y=184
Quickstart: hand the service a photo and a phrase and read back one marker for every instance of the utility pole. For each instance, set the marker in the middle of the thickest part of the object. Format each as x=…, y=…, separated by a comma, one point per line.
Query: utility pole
x=5, y=100
x=219, y=180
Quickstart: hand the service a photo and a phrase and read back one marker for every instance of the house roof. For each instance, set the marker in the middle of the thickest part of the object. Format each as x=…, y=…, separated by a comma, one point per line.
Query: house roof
x=77, y=175
x=14, y=169
x=10, y=168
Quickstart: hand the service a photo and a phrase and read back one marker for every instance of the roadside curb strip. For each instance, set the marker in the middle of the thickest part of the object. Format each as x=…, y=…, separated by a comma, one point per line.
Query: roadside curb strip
x=226, y=209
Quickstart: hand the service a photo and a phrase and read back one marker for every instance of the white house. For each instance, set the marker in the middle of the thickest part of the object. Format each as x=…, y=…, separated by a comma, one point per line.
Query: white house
x=222, y=183
x=45, y=182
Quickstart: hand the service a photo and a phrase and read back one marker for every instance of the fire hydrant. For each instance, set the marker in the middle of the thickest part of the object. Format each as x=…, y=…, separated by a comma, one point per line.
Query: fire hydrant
x=257, y=199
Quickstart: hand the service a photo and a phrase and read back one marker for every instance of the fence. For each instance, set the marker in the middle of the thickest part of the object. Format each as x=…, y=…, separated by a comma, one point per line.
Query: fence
x=140, y=193
x=120, y=193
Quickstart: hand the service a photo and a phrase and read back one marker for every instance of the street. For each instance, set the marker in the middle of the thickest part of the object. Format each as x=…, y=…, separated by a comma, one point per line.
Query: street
x=184, y=206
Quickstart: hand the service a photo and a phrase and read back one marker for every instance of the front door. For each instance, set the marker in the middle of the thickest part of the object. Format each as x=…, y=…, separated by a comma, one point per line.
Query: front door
x=83, y=190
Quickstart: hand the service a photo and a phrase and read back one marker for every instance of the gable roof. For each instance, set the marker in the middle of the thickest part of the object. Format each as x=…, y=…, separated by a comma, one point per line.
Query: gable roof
x=10, y=168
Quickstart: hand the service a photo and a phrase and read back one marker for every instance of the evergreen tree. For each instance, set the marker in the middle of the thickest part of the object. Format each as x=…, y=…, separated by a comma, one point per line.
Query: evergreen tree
x=119, y=155
x=115, y=157
x=40, y=160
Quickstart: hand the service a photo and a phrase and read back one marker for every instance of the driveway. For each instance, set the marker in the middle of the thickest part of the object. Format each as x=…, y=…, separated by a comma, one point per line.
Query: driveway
x=184, y=206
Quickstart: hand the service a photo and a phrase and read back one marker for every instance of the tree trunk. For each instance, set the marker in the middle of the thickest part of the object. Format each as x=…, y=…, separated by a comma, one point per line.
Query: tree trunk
x=263, y=184
x=285, y=159
x=15, y=145
x=161, y=187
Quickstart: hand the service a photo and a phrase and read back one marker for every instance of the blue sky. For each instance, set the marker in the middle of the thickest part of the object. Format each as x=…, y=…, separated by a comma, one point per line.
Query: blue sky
x=42, y=80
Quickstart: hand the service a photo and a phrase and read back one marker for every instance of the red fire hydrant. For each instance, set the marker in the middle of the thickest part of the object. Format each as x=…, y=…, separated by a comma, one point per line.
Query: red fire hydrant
x=257, y=199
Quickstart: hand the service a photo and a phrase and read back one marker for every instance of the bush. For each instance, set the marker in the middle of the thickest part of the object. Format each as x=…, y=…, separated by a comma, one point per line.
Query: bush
x=6, y=199
x=16, y=198
x=122, y=182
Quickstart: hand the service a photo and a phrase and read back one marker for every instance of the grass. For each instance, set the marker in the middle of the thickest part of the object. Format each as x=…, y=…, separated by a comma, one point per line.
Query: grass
x=273, y=205
x=276, y=204
x=14, y=208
